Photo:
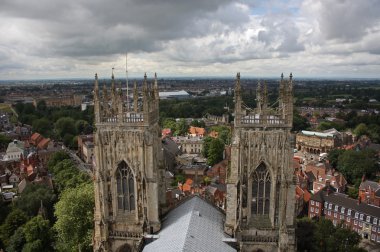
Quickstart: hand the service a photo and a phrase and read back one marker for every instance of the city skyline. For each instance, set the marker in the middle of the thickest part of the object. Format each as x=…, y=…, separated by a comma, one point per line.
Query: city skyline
x=75, y=39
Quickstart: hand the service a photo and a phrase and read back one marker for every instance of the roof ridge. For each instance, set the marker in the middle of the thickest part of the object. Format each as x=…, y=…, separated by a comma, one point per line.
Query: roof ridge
x=191, y=211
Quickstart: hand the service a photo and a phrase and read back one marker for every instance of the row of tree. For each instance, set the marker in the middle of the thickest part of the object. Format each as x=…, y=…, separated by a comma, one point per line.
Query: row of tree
x=60, y=123
x=322, y=236
x=194, y=108
x=354, y=164
x=45, y=220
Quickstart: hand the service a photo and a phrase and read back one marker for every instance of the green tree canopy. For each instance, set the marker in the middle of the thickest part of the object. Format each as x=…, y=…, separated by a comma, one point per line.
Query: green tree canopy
x=179, y=178
x=321, y=235
x=328, y=125
x=353, y=192
x=354, y=164
x=32, y=196
x=215, y=151
x=169, y=123
x=14, y=220
x=67, y=175
x=42, y=126
x=361, y=130
x=305, y=234
x=374, y=132
x=206, y=146
x=80, y=126
x=69, y=140
x=4, y=141
x=17, y=241
x=344, y=239
x=64, y=126
x=299, y=122
x=4, y=209
x=182, y=128
x=74, y=213
x=198, y=123
x=333, y=156
x=38, y=235
x=41, y=106
x=56, y=158
x=224, y=133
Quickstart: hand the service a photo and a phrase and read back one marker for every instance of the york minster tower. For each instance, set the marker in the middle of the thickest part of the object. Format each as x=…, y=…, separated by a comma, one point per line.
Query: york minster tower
x=128, y=172
x=260, y=184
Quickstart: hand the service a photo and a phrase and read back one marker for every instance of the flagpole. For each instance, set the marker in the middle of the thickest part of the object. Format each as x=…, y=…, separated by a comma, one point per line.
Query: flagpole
x=126, y=76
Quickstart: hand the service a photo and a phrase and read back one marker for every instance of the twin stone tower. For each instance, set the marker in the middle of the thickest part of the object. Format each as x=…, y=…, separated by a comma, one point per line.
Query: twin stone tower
x=130, y=175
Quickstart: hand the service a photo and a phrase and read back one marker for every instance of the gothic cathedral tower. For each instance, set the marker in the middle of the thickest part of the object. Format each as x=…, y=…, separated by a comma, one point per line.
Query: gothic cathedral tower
x=128, y=172
x=260, y=184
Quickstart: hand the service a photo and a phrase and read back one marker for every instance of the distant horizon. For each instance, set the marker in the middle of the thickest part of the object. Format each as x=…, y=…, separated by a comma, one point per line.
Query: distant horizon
x=170, y=77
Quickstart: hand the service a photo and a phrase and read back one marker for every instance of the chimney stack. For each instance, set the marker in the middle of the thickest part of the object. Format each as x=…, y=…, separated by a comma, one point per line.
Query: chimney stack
x=328, y=187
x=363, y=178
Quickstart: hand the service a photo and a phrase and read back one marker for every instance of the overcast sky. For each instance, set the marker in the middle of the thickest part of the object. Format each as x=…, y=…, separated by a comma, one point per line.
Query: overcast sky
x=76, y=38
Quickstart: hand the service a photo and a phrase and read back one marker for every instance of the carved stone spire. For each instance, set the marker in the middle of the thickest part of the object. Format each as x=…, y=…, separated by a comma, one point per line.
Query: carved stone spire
x=120, y=103
x=259, y=98
x=238, y=100
x=265, y=95
x=291, y=83
x=96, y=87
x=282, y=93
x=113, y=88
x=145, y=95
x=289, y=100
x=145, y=84
x=156, y=93
x=237, y=85
x=105, y=100
x=96, y=99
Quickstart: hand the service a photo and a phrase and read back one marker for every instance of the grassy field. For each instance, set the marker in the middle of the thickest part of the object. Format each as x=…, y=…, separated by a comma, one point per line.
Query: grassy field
x=6, y=107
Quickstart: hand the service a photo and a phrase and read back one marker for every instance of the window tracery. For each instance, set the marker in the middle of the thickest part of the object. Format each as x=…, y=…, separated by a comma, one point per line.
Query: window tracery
x=261, y=190
x=125, y=188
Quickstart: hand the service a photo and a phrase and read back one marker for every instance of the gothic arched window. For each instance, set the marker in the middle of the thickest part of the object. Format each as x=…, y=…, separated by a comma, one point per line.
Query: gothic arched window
x=261, y=186
x=125, y=187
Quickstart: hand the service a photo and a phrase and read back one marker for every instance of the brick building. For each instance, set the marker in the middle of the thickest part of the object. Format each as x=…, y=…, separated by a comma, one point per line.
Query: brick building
x=339, y=208
x=84, y=142
x=321, y=174
x=369, y=192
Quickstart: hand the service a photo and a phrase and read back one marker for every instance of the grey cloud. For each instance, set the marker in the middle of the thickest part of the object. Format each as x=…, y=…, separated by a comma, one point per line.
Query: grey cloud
x=7, y=62
x=280, y=34
x=348, y=20
x=83, y=27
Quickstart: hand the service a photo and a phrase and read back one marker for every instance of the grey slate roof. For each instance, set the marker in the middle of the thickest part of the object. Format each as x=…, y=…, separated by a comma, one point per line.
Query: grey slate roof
x=170, y=146
x=368, y=183
x=194, y=225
